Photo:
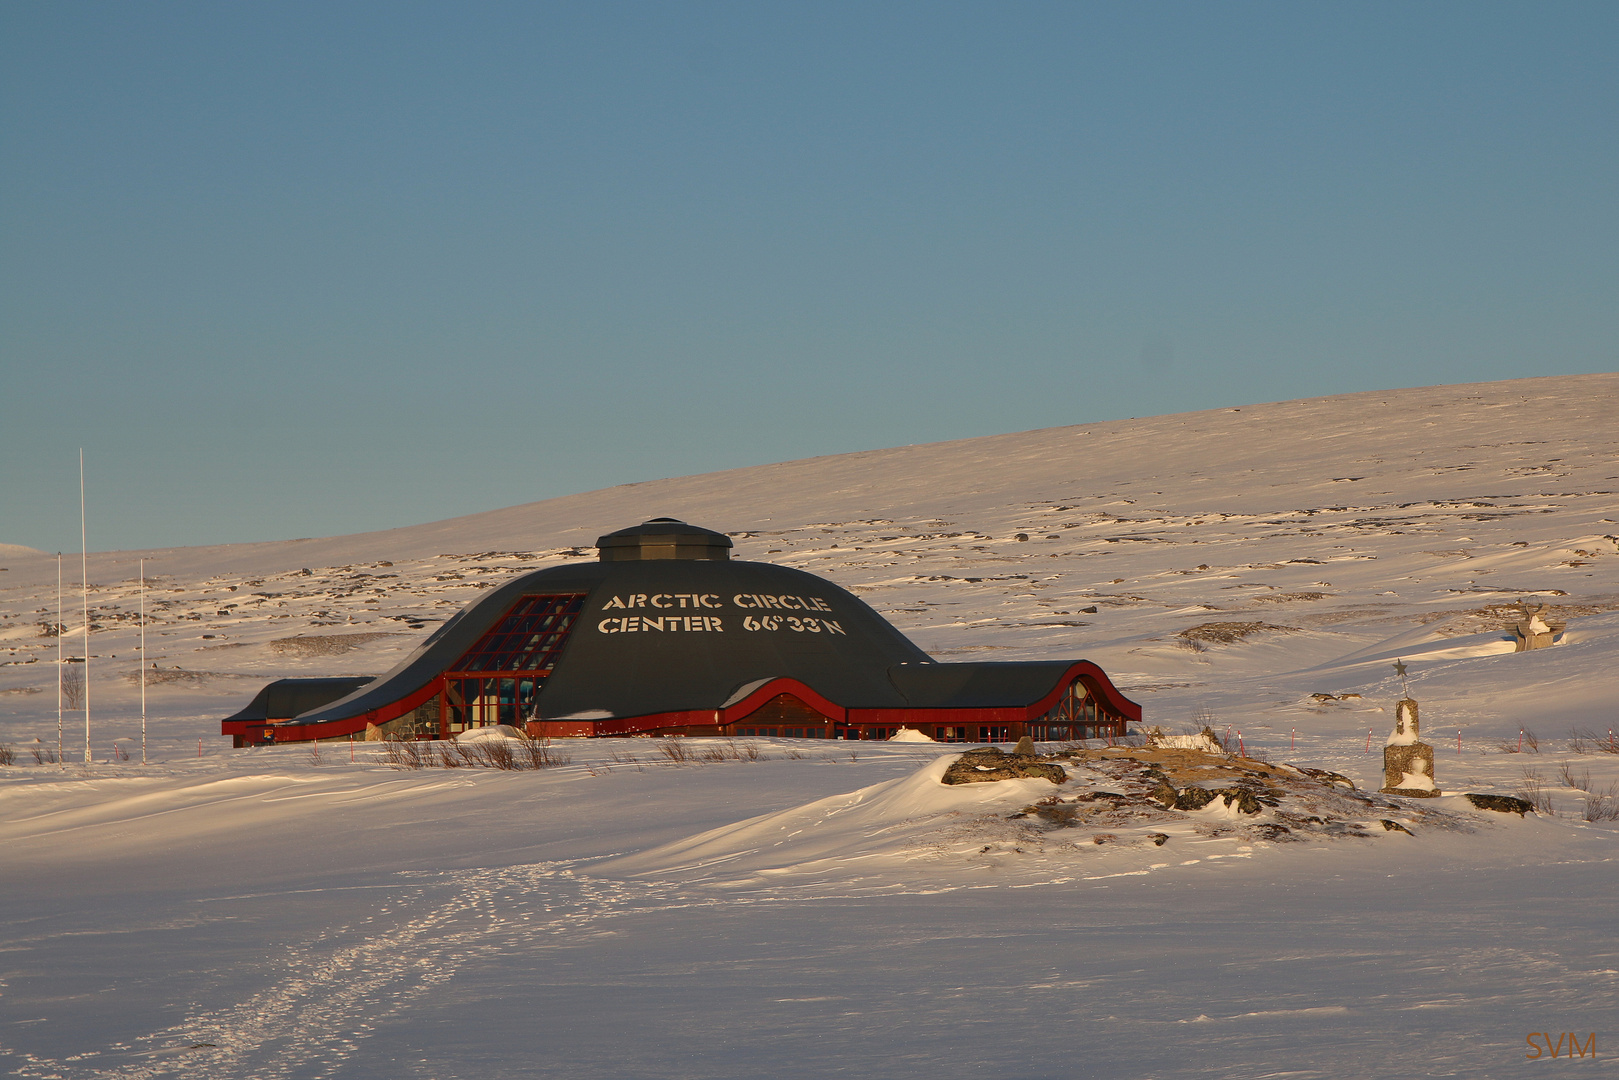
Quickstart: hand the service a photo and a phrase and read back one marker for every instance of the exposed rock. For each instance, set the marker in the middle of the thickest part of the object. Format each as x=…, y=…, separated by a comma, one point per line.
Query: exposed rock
x=1327, y=777
x=1128, y=795
x=1395, y=826
x=1225, y=633
x=1246, y=801
x=989, y=764
x=1505, y=804
x=1052, y=811
x=1192, y=799
x=325, y=644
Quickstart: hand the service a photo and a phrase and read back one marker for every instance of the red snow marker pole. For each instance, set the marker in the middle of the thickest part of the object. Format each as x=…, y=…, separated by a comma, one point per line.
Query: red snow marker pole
x=1458, y=740
x=1520, y=741
x=1242, y=751
x=1293, y=738
x=199, y=748
x=1368, y=740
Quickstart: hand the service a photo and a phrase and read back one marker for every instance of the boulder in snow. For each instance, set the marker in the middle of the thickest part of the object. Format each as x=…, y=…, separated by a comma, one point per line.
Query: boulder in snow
x=989, y=764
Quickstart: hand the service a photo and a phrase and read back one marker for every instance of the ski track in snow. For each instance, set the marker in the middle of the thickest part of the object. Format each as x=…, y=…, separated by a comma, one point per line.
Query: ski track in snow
x=331, y=993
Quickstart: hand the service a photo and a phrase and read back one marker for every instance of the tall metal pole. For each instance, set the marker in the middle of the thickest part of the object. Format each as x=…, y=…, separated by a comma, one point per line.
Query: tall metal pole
x=143, y=661
x=84, y=569
x=61, y=632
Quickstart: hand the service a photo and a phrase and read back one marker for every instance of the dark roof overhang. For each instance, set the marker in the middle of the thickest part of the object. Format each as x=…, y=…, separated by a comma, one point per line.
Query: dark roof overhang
x=286, y=698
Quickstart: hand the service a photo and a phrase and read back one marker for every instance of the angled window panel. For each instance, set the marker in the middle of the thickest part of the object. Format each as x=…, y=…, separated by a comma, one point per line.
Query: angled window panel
x=522, y=647
x=515, y=643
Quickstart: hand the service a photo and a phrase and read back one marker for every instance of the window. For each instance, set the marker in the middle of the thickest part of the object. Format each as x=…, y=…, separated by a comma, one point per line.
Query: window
x=528, y=638
x=787, y=709
x=498, y=680
x=1077, y=715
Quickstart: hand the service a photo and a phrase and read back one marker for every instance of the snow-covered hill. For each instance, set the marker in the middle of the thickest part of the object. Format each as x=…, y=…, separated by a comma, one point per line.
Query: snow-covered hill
x=307, y=915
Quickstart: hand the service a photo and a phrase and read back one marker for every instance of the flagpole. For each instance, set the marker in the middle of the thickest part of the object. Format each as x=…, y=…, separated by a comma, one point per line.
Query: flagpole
x=143, y=661
x=84, y=568
x=61, y=632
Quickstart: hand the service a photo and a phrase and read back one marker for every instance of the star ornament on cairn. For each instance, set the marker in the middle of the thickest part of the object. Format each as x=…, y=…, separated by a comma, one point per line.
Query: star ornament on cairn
x=1407, y=761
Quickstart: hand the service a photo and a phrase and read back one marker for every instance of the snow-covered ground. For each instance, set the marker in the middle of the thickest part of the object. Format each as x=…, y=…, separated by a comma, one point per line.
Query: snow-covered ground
x=832, y=909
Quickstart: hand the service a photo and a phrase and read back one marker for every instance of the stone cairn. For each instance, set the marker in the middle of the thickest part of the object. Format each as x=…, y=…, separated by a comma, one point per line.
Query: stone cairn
x=1407, y=761
x=1534, y=630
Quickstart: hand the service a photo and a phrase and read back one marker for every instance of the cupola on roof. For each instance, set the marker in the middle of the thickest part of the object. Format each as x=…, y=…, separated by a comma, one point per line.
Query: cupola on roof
x=663, y=538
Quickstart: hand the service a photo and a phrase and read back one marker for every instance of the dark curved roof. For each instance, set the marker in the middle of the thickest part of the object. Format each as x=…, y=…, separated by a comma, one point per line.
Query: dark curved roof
x=286, y=698
x=645, y=640
x=984, y=685
x=665, y=623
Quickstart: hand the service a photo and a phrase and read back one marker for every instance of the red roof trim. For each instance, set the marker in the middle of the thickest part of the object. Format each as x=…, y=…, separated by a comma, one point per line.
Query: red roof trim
x=1095, y=680
x=774, y=688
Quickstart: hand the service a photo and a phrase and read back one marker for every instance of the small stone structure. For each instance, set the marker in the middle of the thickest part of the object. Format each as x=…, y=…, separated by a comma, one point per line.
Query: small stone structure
x=1534, y=630
x=1407, y=761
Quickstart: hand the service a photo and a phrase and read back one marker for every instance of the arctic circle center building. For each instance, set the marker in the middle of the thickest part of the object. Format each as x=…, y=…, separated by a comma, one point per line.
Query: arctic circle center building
x=665, y=634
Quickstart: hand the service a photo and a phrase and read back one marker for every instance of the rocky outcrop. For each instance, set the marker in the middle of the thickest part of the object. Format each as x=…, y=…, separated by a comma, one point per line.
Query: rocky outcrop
x=1505, y=804
x=1326, y=776
x=989, y=764
x=1245, y=800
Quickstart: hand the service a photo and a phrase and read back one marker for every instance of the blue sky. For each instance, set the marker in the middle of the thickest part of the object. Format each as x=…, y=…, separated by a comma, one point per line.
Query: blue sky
x=307, y=269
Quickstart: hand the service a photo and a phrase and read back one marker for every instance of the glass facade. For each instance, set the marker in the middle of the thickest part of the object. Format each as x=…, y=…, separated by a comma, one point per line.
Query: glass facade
x=1076, y=716
x=499, y=679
